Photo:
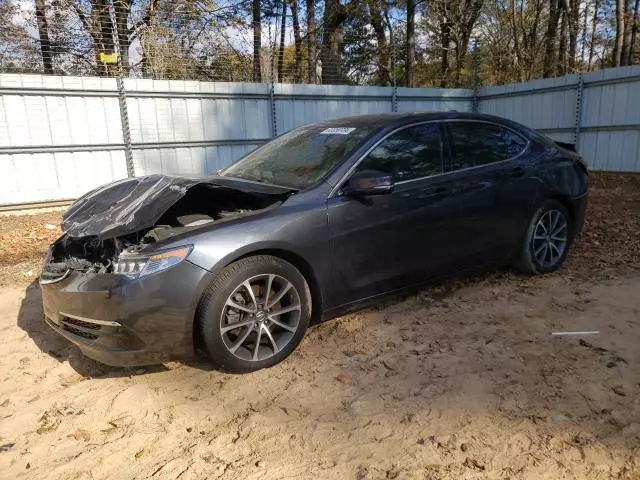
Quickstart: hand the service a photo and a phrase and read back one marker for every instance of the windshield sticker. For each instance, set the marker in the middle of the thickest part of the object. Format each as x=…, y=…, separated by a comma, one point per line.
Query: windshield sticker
x=337, y=131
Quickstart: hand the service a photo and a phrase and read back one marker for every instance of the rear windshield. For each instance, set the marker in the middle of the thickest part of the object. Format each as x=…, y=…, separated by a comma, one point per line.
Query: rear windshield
x=302, y=156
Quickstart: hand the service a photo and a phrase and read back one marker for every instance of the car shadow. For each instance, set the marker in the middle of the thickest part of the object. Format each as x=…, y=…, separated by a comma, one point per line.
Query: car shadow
x=31, y=320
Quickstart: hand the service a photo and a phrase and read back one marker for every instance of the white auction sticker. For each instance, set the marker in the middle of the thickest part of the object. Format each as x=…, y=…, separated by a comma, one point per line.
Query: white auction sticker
x=337, y=131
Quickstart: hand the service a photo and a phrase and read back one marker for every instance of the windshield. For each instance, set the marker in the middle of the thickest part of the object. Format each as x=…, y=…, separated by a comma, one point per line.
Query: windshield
x=300, y=157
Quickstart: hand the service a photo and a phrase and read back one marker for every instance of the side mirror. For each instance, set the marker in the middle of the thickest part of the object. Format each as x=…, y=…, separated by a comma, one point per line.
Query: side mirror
x=368, y=182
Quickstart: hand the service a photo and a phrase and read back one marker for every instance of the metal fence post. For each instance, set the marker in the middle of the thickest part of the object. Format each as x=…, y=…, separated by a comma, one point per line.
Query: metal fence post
x=274, y=115
x=578, y=119
x=122, y=95
x=272, y=93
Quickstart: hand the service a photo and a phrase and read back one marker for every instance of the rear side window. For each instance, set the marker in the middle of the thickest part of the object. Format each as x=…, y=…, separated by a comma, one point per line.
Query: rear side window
x=474, y=144
x=414, y=152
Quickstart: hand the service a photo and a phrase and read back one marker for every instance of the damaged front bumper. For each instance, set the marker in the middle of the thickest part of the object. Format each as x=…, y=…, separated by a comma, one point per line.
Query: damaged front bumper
x=123, y=321
x=115, y=284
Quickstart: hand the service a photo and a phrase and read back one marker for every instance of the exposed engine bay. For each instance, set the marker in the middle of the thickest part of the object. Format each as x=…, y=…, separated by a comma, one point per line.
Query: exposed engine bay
x=123, y=219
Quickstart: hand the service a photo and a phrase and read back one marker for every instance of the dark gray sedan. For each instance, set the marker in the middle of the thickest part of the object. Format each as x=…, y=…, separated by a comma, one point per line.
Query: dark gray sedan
x=318, y=222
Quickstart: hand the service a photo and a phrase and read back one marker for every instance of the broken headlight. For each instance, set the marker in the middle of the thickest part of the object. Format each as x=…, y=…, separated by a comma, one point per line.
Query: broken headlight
x=142, y=265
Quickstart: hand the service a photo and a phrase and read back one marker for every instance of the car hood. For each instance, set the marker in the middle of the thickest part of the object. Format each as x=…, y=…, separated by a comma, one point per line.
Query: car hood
x=133, y=204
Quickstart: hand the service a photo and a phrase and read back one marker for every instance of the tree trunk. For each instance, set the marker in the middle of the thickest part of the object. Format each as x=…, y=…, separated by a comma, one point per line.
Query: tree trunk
x=571, y=8
x=562, y=46
x=625, y=55
x=594, y=25
x=311, y=40
x=626, y=34
x=531, y=52
x=617, y=48
x=445, y=39
x=392, y=45
x=516, y=40
x=257, y=41
x=283, y=29
x=43, y=32
x=550, y=40
x=384, y=60
x=334, y=17
x=634, y=33
x=297, y=75
x=102, y=33
x=411, y=42
x=122, y=9
x=465, y=21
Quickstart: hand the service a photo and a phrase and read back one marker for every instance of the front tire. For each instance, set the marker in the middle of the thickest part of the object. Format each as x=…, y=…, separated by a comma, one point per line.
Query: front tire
x=547, y=239
x=254, y=314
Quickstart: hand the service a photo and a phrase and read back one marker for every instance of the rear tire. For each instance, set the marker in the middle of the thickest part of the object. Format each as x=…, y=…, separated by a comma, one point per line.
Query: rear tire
x=546, y=242
x=269, y=302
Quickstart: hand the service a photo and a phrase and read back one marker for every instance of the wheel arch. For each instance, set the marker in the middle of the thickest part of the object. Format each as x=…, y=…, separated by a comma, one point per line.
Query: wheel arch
x=574, y=214
x=293, y=258
x=564, y=200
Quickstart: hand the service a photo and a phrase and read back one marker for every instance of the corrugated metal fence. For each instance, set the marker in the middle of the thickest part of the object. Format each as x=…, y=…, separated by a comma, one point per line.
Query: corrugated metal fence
x=61, y=136
x=598, y=111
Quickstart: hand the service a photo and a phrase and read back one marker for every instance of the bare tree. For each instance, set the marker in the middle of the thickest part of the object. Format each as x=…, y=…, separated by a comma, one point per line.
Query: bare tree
x=594, y=34
x=334, y=16
x=122, y=10
x=550, y=39
x=355, y=40
x=378, y=23
x=283, y=27
x=442, y=19
x=257, y=40
x=562, y=45
x=465, y=15
x=16, y=54
x=572, y=18
x=100, y=27
x=311, y=40
x=411, y=42
x=297, y=75
x=634, y=33
x=617, y=48
x=625, y=57
x=453, y=22
x=516, y=35
x=43, y=32
x=525, y=23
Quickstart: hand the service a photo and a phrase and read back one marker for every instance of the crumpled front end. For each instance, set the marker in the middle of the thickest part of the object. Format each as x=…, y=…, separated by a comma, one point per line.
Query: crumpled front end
x=109, y=227
x=124, y=321
x=110, y=284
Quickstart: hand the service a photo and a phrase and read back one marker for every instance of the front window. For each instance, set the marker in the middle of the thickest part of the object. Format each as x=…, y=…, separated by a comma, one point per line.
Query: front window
x=302, y=156
x=415, y=152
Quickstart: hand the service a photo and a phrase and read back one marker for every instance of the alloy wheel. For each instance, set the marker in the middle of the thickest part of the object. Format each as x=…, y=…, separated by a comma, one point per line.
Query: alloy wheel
x=550, y=238
x=260, y=317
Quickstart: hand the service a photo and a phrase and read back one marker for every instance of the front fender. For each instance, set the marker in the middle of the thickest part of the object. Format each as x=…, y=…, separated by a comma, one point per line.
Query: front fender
x=298, y=233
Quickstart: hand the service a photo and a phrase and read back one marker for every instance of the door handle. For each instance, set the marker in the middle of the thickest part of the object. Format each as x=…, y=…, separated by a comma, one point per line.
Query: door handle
x=429, y=193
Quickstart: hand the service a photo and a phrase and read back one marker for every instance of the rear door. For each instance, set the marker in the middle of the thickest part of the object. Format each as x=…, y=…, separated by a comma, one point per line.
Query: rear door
x=385, y=242
x=492, y=174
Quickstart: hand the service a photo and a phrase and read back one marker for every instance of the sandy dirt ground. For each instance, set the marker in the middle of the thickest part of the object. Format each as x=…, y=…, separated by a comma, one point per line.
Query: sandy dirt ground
x=459, y=381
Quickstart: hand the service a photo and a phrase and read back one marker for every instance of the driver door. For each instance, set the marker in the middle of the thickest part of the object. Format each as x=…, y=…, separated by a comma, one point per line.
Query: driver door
x=381, y=243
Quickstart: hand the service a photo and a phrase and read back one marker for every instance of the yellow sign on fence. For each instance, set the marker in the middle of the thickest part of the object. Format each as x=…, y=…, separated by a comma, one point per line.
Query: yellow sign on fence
x=108, y=57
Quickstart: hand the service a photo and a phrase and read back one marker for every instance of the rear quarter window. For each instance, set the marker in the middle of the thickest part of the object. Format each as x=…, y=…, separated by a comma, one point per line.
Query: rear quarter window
x=475, y=143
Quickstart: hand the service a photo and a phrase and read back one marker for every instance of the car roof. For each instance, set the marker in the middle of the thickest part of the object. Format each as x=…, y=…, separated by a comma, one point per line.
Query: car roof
x=394, y=120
